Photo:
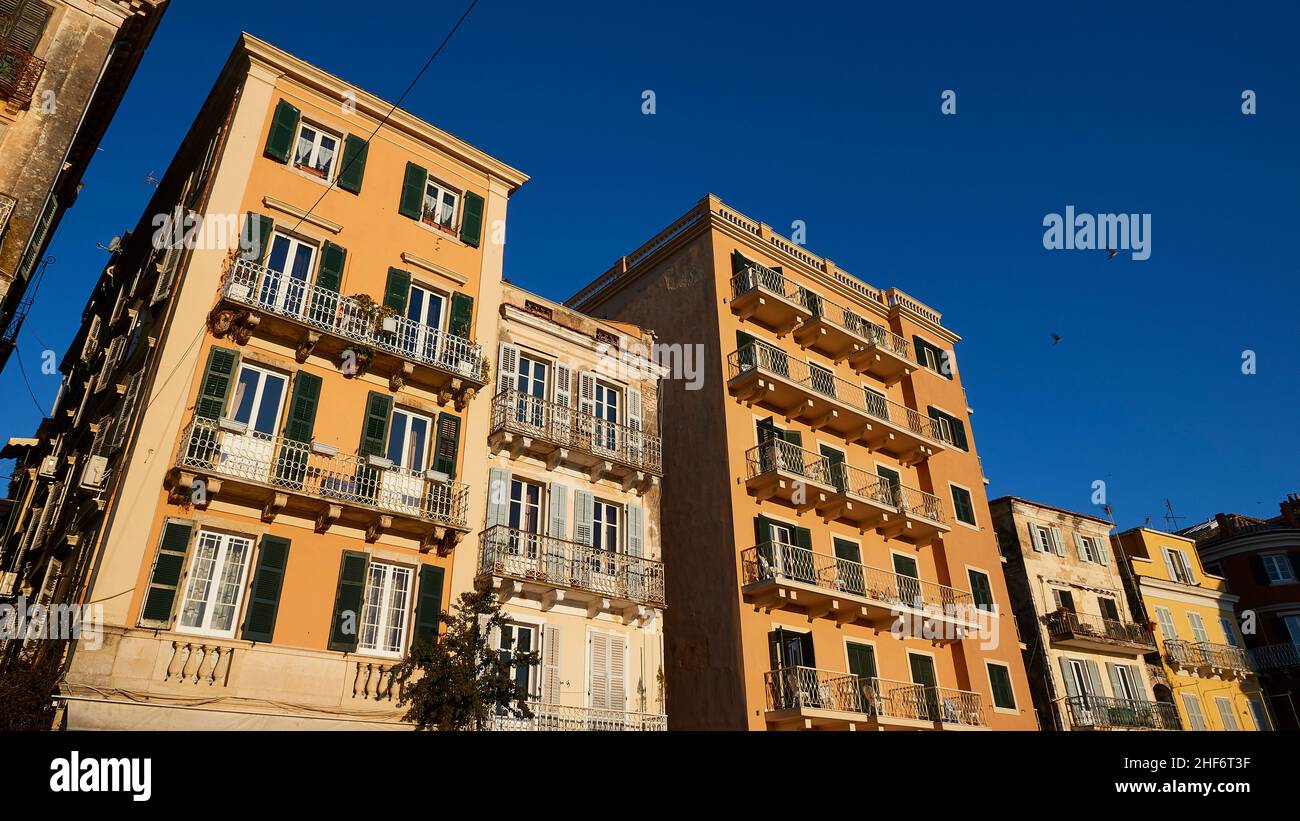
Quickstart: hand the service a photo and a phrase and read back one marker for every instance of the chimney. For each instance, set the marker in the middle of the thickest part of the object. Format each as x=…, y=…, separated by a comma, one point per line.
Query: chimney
x=1224, y=524
x=1291, y=510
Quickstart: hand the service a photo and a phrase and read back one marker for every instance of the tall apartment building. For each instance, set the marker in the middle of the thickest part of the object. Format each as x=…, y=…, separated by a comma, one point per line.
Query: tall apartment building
x=1206, y=672
x=267, y=452
x=1260, y=560
x=571, y=538
x=820, y=483
x=1084, y=646
x=64, y=66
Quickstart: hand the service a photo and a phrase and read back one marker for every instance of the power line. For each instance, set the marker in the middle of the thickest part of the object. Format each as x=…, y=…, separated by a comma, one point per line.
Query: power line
x=30, y=392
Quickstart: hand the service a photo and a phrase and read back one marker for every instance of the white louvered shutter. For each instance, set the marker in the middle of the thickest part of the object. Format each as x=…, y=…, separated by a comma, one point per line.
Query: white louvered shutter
x=598, y=682
x=587, y=392
x=583, y=510
x=507, y=367
x=1037, y=537
x=1099, y=548
x=557, y=526
x=551, y=665
x=563, y=385
x=617, y=689
x=634, y=409
x=1058, y=543
x=635, y=531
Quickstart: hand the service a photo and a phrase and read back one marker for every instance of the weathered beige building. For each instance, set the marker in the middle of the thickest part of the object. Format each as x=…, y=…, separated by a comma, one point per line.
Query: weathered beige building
x=571, y=537
x=64, y=66
x=1084, y=650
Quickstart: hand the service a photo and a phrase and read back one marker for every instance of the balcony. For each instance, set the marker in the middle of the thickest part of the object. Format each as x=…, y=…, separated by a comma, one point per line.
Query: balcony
x=861, y=498
x=806, y=698
x=556, y=570
x=843, y=335
x=1208, y=659
x=316, y=482
x=765, y=296
x=20, y=72
x=1086, y=632
x=820, y=585
x=317, y=320
x=557, y=434
x=783, y=471
x=1275, y=657
x=579, y=719
x=763, y=374
x=1101, y=713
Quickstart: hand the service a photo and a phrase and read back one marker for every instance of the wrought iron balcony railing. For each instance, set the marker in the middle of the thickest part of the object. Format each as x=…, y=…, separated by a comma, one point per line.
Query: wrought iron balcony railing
x=767, y=358
x=1102, y=713
x=518, y=554
x=513, y=410
x=792, y=688
x=297, y=467
x=1064, y=624
x=7, y=205
x=1204, y=654
x=571, y=719
x=257, y=286
x=858, y=325
x=20, y=72
x=778, y=455
x=758, y=277
x=771, y=561
x=1275, y=656
x=787, y=457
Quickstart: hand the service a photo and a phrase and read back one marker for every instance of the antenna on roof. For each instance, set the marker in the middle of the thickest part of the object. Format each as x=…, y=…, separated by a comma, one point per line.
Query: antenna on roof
x=1171, y=521
x=150, y=179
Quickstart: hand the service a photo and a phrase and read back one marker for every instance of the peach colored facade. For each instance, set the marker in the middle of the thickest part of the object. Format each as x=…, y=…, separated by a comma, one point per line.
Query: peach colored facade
x=319, y=461
x=810, y=481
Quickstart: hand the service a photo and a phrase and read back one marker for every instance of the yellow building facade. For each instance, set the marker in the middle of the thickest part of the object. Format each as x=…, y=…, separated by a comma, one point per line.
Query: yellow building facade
x=1207, y=674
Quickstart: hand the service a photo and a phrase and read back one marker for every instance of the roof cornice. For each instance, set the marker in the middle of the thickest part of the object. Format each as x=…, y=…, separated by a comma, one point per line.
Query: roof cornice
x=283, y=63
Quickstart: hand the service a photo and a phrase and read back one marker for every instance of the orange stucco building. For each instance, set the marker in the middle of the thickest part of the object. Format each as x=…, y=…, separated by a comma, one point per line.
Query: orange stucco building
x=821, y=486
x=268, y=450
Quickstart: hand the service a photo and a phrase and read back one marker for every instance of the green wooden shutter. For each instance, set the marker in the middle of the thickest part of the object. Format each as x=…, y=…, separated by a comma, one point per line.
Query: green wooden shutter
x=471, y=222
x=302, y=409
x=738, y=262
x=862, y=660
x=355, y=152
x=803, y=538
x=291, y=467
x=374, y=429
x=1000, y=679
x=412, y=202
x=397, y=289
x=981, y=590
x=255, y=238
x=428, y=607
x=166, y=574
x=448, y=444
x=214, y=390
x=347, y=601
x=762, y=529
x=284, y=127
x=264, y=602
x=329, y=275
x=462, y=315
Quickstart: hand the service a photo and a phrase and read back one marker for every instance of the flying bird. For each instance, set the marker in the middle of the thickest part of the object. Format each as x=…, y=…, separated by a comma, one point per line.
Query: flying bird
x=1110, y=253
x=1056, y=339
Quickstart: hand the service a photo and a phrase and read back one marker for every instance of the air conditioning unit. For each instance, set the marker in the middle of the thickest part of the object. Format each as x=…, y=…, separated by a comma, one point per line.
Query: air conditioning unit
x=92, y=475
x=49, y=467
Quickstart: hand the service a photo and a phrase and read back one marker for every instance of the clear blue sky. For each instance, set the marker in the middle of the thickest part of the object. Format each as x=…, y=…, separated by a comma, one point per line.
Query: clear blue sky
x=829, y=113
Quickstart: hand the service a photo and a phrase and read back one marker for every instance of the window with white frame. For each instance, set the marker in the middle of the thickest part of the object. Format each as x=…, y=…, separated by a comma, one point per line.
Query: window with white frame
x=1277, y=567
x=1180, y=568
x=1126, y=683
x=521, y=638
x=605, y=535
x=316, y=151
x=215, y=588
x=1047, y=539
x=384, y=610
x=440, y=205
